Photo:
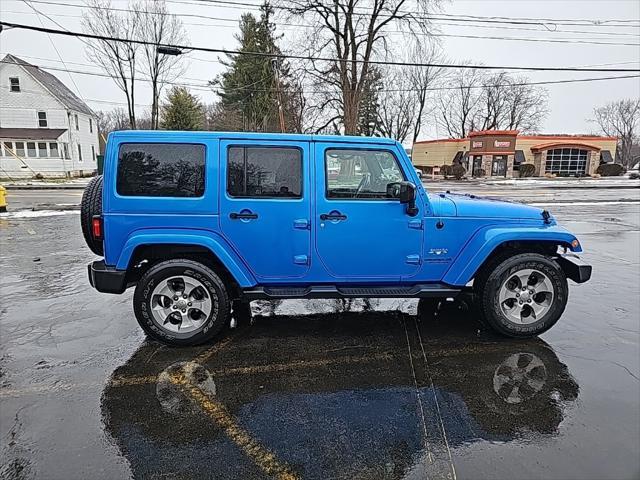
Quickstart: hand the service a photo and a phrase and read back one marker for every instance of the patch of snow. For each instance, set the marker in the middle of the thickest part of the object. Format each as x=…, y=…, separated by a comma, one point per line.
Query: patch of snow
x=38, y=213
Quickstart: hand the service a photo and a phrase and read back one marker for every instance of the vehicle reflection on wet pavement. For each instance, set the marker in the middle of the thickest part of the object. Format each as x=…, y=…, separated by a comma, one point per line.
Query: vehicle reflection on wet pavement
x=316, y=389
x=348, y=395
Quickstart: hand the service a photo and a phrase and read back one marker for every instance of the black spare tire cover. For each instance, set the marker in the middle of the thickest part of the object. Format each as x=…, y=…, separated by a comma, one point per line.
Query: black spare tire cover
x=91, y=205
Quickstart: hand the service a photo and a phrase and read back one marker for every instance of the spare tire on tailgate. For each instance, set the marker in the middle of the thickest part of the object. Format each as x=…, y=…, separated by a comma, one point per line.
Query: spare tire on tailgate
x=91, y=205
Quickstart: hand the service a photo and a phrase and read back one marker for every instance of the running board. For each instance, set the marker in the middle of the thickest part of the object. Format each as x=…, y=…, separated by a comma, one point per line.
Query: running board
x=436, y=290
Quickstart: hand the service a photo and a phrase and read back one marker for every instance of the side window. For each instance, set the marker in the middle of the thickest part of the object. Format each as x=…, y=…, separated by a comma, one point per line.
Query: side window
x=264, y=172
x=362, y=174
x=161, y=170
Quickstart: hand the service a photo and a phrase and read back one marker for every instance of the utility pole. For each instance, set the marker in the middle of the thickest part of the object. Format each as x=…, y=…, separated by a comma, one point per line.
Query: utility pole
x=276, y=71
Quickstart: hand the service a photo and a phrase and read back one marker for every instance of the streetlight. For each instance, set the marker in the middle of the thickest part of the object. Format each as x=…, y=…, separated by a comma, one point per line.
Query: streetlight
x=169, y=50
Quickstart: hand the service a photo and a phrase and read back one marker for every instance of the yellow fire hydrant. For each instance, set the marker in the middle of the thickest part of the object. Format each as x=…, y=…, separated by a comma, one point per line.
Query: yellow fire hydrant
x=3, y=199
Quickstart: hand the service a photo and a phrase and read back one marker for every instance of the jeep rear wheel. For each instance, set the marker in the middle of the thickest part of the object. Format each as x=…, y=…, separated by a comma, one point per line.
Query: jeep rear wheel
x=91, y=206
x=523, y=295
x=181, y=302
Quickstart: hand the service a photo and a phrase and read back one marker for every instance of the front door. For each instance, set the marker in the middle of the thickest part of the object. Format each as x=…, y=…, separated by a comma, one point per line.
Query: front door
x=477, y=166
x=362, y=233
x=265, y=205
x=499, y=166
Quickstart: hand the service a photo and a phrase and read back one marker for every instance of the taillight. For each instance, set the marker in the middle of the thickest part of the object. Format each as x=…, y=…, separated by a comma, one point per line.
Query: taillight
x=96, y=227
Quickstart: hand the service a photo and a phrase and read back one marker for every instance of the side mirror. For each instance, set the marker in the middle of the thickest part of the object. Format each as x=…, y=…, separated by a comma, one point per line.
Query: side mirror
x=406, y=193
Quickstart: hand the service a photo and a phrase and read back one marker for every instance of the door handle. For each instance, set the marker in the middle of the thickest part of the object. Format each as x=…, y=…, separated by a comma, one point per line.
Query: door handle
x=332, y=216
x=243, y=216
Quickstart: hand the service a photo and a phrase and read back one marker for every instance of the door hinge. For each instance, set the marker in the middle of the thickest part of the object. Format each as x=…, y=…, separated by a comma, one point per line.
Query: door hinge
x=416, y=223
x=301, y=223
x=413, y=259
x=301, y=259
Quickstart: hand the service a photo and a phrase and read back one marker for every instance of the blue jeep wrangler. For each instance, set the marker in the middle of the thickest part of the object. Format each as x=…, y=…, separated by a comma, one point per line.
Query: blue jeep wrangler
x=204, y=222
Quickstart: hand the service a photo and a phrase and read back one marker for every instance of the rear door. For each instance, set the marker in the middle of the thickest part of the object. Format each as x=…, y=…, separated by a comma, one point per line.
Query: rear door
x=265, y=205
x=361, y=233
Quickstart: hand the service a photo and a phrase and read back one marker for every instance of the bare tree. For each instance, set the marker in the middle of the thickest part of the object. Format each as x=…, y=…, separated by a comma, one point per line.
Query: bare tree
x=117, y=58
x=458, y=106
x=110, y=121
x=424, y=79
x=621, y=119
x=406, y=95
x=398, y=106
x=158, y=26
x=491, y=102
x=354, y=32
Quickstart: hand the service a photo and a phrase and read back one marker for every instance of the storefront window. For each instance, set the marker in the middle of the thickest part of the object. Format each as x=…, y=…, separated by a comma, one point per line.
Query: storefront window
x=566, y=162
x=499, y=166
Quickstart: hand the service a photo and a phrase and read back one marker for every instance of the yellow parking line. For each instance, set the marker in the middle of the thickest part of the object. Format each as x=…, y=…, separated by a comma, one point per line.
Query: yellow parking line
x=263, y=458
x=210, y=352
x=277, y=367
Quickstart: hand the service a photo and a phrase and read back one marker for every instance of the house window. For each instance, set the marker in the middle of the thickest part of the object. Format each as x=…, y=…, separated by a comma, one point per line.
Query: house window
x=19, y=149
x=8, y=148
x=79, y=152
x=42, y=119
x=42, y=150
x=31, y=149
x=65, y=150
x=93, y=152
x=90, y=126
x=75, y=117
x=14, y=84
x=53, y=149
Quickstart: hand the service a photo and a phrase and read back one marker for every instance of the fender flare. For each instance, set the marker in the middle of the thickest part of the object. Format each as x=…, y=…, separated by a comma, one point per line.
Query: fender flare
x=212, y=241
x=487, y=239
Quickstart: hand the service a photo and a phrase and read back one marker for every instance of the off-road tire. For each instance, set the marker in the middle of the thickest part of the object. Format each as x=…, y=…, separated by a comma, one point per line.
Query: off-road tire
x=91, y=205
x=217, y=320
x=497, y=273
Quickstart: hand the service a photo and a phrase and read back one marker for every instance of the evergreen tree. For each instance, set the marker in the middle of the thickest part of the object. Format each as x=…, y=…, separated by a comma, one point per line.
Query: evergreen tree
x=248, y=89
x=182, y=111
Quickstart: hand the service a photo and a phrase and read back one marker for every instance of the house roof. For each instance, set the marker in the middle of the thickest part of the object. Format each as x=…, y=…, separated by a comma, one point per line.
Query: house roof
x=51, y=83
x=31, y=133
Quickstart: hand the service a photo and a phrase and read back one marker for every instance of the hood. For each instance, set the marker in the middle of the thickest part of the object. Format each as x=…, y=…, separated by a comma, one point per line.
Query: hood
x=471, y=206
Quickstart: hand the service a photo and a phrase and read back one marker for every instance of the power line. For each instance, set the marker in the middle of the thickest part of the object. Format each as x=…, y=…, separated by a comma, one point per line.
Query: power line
x=300, y=25
x=431, y=89
x=311, y=58
x=587, y=41
x=430, y=17
x=436, y=17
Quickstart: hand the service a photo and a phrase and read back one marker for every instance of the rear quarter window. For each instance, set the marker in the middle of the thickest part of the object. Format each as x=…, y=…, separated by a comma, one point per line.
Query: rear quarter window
x=161, y=170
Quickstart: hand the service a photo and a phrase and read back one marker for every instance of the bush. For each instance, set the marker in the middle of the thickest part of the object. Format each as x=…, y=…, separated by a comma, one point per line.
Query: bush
x=446, y=170
x=458, y=171
x=479, y=172
x=610, y=170
x=527, y=170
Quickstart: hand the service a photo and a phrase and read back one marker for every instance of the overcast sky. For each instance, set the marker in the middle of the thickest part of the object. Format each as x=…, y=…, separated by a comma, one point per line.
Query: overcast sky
x=570, y=104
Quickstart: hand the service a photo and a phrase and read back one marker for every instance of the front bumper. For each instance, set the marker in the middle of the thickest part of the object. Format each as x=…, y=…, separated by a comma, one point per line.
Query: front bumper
x=574, y=268
x=106, y=279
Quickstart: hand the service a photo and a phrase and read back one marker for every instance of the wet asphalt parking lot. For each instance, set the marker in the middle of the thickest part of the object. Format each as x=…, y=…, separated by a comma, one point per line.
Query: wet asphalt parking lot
x=319, y=389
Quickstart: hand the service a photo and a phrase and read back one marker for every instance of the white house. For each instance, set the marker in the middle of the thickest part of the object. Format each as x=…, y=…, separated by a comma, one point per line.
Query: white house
x=44, y=127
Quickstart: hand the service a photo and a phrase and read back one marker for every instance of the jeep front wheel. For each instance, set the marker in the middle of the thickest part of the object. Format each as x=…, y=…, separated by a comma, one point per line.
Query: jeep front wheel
x=181, y=302
x=523, y=295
